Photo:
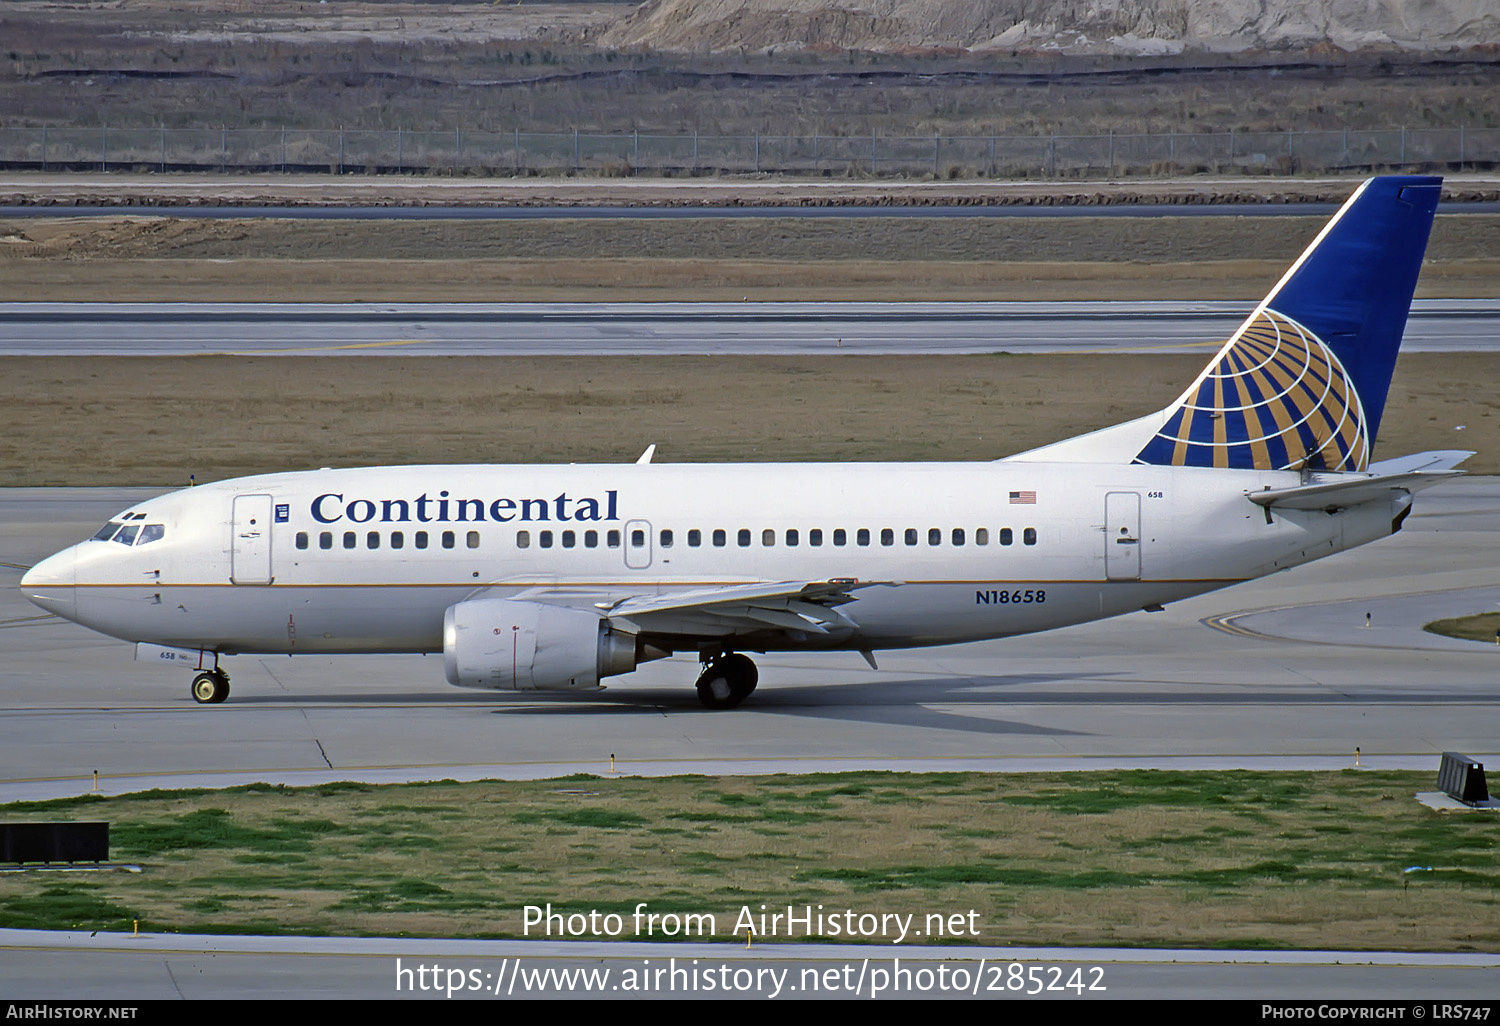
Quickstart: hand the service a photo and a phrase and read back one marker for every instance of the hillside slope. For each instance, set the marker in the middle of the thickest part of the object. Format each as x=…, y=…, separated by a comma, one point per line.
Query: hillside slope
x=1087, y=26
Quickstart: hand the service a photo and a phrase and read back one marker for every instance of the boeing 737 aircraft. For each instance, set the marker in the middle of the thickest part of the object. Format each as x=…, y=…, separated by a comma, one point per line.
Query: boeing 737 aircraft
x=553, y=577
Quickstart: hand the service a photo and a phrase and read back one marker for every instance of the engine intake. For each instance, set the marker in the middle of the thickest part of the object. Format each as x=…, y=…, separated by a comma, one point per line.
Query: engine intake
x=510, y=645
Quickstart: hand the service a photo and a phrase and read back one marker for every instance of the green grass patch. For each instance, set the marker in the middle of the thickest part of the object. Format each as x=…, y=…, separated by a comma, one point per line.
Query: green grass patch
x=1479, y=627
x=1292, y=860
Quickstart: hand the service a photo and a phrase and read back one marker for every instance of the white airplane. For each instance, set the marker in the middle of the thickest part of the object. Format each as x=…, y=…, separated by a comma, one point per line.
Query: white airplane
x=553, y=577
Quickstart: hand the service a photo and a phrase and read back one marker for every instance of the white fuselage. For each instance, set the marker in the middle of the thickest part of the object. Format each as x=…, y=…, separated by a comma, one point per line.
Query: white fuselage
x=332, y=561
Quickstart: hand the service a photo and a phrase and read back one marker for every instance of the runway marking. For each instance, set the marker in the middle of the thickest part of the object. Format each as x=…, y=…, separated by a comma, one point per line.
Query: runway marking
x=324, y=349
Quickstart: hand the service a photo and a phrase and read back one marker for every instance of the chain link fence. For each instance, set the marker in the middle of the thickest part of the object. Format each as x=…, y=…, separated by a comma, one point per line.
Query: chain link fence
x=363, y=151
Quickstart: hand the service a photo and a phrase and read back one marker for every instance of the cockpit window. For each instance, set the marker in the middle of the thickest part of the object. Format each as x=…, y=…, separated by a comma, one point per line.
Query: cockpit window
x=127, y=534
x=151, y=533
x=107, y=531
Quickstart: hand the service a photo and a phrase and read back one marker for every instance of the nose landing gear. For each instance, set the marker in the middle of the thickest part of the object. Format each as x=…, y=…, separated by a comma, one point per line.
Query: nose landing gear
x=727, y=680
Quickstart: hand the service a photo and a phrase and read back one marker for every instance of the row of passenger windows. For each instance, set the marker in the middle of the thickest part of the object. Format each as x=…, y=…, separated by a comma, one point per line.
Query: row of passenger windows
x=719, y=538
x=397, y=540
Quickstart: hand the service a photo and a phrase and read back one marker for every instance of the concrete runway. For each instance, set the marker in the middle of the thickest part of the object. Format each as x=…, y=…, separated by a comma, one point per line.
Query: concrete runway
x=576, y=329
x=1280, y=673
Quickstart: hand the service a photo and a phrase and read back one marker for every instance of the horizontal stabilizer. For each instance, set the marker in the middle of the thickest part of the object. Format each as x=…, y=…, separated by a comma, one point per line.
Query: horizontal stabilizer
x=1354, y=489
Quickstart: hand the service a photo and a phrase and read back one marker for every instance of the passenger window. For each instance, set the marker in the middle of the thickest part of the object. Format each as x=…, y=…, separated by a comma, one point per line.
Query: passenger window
x=127, y=534
x=155, y=532
x=887, y=536
x=398, y=539
x=544, y=539
x=349, y=539
x=839, y=537
x=743, y=538
x=637, y=538
x=523, y=539
x=695, y=538
x=301, y=539
x=815, y=537
x=421, y=539
x=720, y=538
x=325, y=540
x=791, y=536
x=666, y=538
x=768, y=537
x=569, y=539
x=591, y=539
x=862, y=537
x=934, y=536
x=981, y=536
x=447, y=539
x=958, y=536
x=472, y=540
x=1006, y=537
x=612, y=539
x=372, y=540
x=1029, y=536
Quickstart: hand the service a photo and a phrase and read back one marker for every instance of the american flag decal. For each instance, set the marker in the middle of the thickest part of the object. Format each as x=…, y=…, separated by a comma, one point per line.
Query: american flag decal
x=1023, y=498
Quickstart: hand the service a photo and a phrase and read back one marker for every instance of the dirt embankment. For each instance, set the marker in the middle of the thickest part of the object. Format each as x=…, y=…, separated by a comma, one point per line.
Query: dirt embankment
x=1128, y=27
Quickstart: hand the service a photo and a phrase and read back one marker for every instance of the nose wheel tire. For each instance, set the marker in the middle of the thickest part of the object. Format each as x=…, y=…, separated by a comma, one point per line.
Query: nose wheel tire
x=211, y=687
x=727, y=681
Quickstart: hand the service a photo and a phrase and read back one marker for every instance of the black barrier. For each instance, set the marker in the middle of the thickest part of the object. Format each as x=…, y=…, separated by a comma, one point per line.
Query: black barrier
x=54, y=842
x=1461, y=777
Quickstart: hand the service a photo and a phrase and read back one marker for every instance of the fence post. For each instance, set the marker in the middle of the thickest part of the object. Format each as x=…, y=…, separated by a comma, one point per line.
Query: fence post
x=163, y=148
x=577, y=162
x=1403, y=146
x=518, y=150
x=223, y=147
x=1460, y=145
x=1111, y=170
x=341, y=149
x=458, y=149
x=398, y=149
x=283, y=149
x=873, y=155
x=1051, y=156
x=695, y=151
x=934, y=156
x=757, y=151
x=44, y=147
x=1344, y=150
x=635, y=153
x=1231, y=146
x=103, y=147
x=815, y=151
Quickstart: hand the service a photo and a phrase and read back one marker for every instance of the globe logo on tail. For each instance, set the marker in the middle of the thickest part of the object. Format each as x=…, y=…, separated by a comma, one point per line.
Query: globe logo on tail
x=1276, y=399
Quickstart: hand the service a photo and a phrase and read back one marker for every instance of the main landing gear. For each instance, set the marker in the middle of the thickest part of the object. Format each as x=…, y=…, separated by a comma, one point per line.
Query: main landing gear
x=727, y=680
x=211, y=687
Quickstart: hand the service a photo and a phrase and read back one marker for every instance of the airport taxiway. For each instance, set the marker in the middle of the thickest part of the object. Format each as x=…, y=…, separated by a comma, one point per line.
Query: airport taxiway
x=1281, y=673
x=1278, y=673
x=644, y=329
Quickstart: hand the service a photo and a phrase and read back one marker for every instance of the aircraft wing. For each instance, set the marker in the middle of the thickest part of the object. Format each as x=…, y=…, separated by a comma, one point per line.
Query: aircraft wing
x=807, y=606
x=1407, y=474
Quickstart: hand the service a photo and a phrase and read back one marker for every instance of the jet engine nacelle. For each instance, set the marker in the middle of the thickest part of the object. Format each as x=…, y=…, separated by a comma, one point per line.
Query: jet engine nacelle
x=507, y=644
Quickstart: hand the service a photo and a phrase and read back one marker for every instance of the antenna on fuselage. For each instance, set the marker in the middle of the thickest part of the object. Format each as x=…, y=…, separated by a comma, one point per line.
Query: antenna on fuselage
x=646, y=456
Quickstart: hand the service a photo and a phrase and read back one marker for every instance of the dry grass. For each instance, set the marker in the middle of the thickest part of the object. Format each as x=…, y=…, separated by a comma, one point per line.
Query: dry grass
x=773, y=259
x=148, y=420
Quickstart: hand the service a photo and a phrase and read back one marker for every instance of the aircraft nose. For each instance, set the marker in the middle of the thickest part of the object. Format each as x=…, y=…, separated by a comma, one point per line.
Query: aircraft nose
x=50, y=583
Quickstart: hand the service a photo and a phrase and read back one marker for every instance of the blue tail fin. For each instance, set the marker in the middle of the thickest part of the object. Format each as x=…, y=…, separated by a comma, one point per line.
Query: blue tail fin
x=1303, y=381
